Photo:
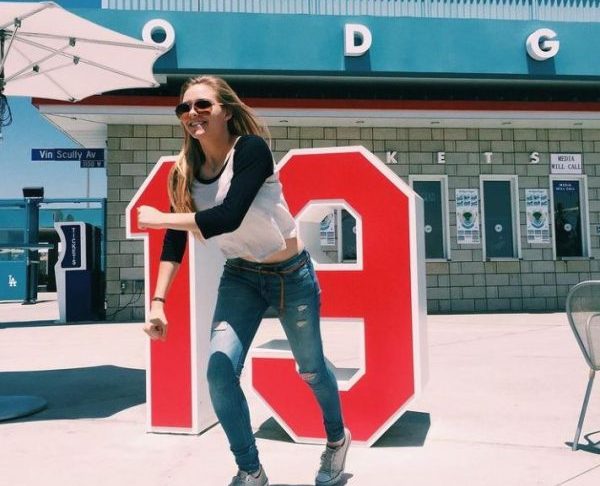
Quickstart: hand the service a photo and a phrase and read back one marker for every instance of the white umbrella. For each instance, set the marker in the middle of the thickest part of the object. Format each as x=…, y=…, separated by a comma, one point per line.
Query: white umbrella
x=48, y=52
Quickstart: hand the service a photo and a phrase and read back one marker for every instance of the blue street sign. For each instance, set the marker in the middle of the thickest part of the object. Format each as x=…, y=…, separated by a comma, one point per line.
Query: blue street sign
x=88, y=158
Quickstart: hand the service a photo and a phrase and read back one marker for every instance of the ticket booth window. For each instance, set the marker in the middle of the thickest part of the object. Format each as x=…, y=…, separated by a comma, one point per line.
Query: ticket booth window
x=500, y=217
x=568, y=207
x=348, y=236
x=433, y=192
x=331, y=231
x=338, y=236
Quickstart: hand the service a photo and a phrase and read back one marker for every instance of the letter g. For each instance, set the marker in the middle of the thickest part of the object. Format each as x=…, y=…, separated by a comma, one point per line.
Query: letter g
x=542, y=44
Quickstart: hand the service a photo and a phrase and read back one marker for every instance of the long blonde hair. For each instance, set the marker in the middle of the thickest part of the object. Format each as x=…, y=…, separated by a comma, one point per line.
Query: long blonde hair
x=243, y=121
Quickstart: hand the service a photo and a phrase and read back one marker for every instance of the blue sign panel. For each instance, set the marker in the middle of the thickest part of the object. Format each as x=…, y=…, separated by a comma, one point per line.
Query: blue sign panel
x=88, y=158
x=13, y=281
x=399, y=46
x=72, y=258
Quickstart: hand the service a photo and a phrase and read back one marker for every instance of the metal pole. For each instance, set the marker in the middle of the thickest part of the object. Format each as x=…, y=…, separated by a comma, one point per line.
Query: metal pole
x=1, y=80
x=586, y=399
x=2, y=37
x=28, y=253
x=31, y=256
x=338, y=235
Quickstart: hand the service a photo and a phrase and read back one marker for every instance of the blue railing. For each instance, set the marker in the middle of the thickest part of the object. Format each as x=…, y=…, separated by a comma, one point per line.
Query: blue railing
x=12, y=221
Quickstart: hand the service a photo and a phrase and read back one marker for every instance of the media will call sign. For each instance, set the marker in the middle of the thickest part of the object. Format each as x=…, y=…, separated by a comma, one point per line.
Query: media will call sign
x=381, y=293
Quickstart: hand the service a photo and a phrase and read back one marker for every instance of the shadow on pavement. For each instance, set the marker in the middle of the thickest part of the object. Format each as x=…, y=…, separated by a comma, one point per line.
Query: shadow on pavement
x=11, y=325
x=24, y=324
x=343, y=480
x=410, y=430
x=20, y=301
x=589, y=445
x=271, y=430
x=94, y=392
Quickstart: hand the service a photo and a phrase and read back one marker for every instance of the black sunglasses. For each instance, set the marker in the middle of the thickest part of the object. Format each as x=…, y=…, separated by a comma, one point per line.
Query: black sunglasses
x=198, y=105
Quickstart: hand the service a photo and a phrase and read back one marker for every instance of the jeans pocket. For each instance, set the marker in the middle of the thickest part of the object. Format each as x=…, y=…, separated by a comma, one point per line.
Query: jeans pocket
x=302, y=278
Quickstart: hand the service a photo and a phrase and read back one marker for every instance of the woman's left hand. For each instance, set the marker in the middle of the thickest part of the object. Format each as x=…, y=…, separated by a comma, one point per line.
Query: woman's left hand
x=149, y=217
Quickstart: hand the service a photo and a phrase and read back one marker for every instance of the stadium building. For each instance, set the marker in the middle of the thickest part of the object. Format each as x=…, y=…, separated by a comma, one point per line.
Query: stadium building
x=490, y=109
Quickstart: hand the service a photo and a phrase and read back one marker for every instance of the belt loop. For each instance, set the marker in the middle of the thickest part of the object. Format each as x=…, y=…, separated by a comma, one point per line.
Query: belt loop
x=282, y=296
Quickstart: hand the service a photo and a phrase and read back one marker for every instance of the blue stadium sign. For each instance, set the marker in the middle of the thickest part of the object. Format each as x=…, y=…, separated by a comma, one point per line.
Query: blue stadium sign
x=88, y=158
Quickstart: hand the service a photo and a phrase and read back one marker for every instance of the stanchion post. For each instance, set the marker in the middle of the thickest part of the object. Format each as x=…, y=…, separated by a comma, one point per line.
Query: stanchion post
x=33, y=197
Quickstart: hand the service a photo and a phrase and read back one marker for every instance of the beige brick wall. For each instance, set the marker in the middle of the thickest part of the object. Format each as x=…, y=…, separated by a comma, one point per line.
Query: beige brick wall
x=464, y=284
x=133, y=151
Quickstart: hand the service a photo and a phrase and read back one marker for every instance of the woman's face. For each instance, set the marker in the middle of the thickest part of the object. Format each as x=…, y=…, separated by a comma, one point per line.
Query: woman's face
x=205, y=117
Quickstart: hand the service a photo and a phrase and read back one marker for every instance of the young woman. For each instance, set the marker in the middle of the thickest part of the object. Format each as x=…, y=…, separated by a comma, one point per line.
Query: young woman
x=224, y=186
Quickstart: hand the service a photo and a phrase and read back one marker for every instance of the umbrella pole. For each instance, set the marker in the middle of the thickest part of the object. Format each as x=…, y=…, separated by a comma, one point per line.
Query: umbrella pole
x=2, y=36
x=5, y=113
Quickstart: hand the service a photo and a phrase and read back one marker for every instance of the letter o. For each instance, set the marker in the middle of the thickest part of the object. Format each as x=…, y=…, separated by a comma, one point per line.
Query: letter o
x=155, y=25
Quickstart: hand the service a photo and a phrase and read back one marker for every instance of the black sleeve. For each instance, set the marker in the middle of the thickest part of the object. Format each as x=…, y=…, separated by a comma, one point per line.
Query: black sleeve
x=252, y=164
x=173, y=246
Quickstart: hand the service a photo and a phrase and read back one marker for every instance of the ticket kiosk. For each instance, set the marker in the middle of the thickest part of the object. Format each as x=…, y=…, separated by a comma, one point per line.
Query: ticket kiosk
x=79, y=279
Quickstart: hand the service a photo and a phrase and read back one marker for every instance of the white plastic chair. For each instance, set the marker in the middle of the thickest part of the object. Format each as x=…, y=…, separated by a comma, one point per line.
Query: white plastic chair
x=583, y=311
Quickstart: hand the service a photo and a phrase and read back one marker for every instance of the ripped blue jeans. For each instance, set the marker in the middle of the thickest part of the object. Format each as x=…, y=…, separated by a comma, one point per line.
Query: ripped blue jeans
x=246, y=290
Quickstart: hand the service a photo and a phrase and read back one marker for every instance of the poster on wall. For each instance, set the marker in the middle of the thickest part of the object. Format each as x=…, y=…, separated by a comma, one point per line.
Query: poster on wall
x=565, y=164
x=328, y=230
x=536, y=207
x=467, y=216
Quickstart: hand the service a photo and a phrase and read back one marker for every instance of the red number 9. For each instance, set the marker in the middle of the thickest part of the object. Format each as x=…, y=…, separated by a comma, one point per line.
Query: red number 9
x=385, y=290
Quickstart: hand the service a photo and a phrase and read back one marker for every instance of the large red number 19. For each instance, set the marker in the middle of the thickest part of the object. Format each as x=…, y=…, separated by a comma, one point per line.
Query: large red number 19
x=384, y=290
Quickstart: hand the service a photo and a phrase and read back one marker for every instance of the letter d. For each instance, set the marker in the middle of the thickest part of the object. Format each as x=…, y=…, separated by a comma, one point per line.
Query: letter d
x=354, y=32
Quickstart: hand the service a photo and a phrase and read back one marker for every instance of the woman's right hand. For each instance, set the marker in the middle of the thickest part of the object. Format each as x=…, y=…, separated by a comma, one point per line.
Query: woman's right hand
x=149, y=217
x=157, y=325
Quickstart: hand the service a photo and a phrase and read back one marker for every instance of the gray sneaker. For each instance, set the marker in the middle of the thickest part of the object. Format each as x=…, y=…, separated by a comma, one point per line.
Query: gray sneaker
x=243, y=478
x=333, y=462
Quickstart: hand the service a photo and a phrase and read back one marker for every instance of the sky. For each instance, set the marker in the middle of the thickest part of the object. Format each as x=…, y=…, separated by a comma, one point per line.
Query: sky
x=63, y=179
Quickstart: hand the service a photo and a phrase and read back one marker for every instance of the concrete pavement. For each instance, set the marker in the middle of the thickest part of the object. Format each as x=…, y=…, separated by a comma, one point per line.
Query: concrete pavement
x=503, y=399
